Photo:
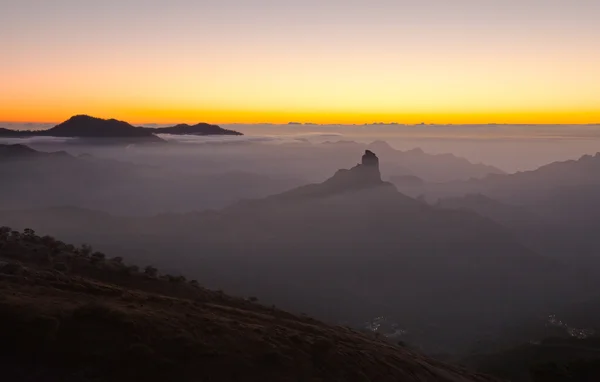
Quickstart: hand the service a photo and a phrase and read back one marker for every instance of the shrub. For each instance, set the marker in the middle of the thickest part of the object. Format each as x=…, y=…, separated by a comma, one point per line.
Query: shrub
x=98, y=257
x=12, y=269
x=150, y=271
x=61, y=267
x=86, y=250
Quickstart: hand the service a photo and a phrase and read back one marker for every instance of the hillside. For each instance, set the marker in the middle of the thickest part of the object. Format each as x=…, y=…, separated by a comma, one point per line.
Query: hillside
x=71, y=314
x=549, y=360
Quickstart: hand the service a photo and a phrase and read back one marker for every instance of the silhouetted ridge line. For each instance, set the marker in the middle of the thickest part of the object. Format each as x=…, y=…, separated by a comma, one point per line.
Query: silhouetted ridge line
x=85, y=126
x=198, y=129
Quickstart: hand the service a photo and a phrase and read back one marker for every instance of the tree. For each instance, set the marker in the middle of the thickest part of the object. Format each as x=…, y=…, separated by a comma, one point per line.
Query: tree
x=86, y=250
x=150, y=271
x=118, y=260
x=29, y=232
x=98, y=257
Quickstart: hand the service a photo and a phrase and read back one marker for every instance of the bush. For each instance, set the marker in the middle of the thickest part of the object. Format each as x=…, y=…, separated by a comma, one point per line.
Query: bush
x=98, y=257
x=86, y=250
x=12, y=269
x=150, y=271
x=61, y=267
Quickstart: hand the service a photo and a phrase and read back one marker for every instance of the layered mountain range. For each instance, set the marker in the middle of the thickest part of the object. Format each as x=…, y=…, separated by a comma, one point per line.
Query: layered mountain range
x=346, y=250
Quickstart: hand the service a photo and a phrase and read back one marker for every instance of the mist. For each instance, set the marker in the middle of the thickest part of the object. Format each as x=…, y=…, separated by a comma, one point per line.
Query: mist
x=292, y=214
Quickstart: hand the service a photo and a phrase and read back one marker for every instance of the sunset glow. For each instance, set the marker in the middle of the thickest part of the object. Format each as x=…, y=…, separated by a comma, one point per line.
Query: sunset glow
x=348, y=62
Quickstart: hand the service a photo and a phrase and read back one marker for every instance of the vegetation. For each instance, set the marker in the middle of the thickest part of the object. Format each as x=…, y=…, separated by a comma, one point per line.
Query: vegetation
x=68, y=314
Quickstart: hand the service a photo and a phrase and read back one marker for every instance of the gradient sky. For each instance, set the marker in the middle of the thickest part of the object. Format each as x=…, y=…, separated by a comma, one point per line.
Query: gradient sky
x=344, y=61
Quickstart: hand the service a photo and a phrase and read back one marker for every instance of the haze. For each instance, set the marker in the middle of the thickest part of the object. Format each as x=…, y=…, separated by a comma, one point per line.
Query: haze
x=300, y=190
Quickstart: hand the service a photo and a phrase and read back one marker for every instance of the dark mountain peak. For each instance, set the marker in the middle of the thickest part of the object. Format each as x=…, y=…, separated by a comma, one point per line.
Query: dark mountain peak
x=363, y=176
x=370, y=159
x=85, y=126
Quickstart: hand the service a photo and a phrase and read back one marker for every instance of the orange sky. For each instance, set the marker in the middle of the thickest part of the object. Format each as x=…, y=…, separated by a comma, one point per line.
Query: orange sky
x=348, y=62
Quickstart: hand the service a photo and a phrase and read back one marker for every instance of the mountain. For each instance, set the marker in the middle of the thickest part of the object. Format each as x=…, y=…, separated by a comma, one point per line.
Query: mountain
x=346, y=250
x=563, y=197
x=415, y=162
x=22, y=152
x=121, y=187
x=14, y=133
x=429, y=167
x=199, y=129
x=71, y=314
x=83, y=126
x=528, y=186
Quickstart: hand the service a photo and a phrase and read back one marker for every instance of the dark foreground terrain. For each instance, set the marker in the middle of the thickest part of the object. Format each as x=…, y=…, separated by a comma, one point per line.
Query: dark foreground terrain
x=70, y=314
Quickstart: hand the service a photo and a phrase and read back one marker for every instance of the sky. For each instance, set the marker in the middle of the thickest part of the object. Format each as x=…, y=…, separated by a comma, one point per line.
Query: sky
x=326, y=61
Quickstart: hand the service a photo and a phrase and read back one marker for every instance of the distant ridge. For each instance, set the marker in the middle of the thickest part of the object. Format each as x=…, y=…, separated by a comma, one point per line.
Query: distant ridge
x=20, y=152
x=198, y=129
x=85, y=126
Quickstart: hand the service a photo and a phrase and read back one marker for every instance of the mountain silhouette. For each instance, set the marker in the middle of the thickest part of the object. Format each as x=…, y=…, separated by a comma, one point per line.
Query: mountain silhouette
x=364, y=175
x=23, y=152
x=84, y=126
x=198, y=129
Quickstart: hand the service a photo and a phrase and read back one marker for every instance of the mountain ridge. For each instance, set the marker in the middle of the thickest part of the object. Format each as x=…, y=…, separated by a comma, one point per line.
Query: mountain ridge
x=85, y=126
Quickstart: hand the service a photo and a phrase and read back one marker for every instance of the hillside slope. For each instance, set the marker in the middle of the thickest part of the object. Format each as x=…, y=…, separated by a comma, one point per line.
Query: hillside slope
x=72, y=315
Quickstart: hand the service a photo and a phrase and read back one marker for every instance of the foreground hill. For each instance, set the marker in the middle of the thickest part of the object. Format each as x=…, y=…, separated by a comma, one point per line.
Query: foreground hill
x=346, y=250
x=550, y=360
x=70, y=314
